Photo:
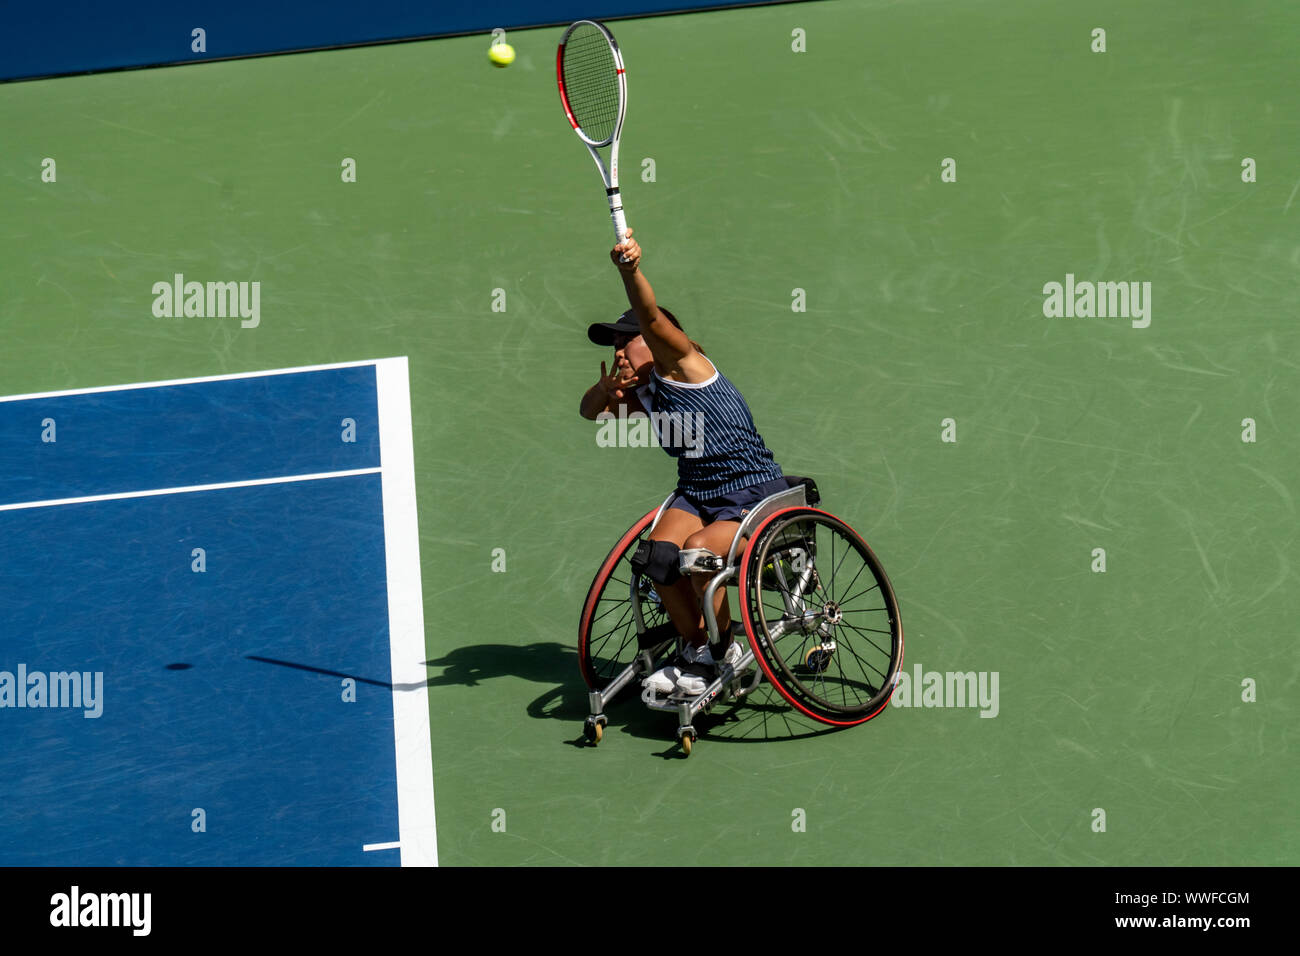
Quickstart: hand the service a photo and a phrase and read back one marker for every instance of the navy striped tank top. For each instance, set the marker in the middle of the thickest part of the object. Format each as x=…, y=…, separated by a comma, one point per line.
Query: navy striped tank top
x=708, y=428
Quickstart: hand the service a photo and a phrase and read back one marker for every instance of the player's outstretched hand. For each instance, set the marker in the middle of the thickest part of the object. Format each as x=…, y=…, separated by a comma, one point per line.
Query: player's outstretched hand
x=630, y=249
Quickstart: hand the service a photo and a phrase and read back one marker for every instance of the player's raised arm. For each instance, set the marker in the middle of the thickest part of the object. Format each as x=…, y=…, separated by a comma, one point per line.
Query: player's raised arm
x=667, y=343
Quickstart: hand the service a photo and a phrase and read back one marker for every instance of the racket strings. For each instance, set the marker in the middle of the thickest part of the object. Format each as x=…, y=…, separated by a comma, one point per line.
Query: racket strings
x=591, y=83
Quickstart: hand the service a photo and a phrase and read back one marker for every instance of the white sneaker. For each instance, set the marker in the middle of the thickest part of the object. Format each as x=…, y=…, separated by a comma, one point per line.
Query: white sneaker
x=664, y=680
x=694, y=684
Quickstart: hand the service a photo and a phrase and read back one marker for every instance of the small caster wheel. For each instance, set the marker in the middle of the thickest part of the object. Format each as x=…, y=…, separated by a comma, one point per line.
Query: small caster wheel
x=594, y=730
x=687, y=741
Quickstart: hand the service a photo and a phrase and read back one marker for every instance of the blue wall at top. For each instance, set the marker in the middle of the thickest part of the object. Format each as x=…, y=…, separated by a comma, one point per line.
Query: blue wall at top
x=40, y=38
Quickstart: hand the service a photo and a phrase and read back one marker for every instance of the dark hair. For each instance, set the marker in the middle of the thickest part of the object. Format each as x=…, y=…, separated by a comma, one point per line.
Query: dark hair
x=673, y=319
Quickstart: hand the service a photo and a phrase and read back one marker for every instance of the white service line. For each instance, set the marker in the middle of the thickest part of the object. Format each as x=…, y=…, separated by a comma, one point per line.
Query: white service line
x=367, y=847
x=282, y=479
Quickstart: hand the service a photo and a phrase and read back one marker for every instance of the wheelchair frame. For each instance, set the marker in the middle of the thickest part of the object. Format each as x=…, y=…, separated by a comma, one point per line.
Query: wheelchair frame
x=731, y=683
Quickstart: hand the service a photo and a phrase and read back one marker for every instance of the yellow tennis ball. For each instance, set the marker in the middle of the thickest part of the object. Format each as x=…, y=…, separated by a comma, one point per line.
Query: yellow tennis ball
x=502, y=54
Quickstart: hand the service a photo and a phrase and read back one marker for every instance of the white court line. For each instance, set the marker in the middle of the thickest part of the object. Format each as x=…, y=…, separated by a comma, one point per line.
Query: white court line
x=192, y=381
x=415, y=821
x=416, y=826
x=367, y=847
x=52, y=502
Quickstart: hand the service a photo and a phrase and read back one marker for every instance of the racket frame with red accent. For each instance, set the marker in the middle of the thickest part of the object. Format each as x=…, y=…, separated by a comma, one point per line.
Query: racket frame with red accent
x=608, y=174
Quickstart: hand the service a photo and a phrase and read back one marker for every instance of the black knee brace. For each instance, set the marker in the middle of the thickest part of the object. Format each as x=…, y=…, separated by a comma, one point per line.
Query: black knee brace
x=657, y=560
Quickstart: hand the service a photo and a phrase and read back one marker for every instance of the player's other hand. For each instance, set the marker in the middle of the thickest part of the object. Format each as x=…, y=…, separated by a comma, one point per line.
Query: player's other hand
x=628, y=249
x=616, y=382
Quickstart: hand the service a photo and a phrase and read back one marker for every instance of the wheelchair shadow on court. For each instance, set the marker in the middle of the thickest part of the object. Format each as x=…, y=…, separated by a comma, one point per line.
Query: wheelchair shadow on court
x=543, y=662
x=762, y=717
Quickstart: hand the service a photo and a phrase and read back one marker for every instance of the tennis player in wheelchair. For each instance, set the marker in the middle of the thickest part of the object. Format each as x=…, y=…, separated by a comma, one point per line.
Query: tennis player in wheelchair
x=723, y=466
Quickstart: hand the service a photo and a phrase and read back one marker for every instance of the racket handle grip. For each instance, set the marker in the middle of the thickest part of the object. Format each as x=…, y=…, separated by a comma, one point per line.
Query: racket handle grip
x=616, y=214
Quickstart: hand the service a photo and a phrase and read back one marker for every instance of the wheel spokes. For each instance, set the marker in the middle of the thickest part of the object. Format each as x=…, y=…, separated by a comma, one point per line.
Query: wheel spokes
x=820, y=633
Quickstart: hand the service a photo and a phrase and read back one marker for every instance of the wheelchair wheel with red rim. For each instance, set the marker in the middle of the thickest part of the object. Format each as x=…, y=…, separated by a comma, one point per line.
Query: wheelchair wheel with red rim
x=821, y=616
x=608, y=636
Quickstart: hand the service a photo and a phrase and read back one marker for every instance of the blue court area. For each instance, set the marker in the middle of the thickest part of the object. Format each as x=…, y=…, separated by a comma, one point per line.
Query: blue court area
x=241, y=631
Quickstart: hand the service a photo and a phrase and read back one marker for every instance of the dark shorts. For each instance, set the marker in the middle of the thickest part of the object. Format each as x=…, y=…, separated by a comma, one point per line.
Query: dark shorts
x=732, y=507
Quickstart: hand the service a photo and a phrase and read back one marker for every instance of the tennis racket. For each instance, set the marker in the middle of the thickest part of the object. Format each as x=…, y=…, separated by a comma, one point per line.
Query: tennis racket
x=593, y=89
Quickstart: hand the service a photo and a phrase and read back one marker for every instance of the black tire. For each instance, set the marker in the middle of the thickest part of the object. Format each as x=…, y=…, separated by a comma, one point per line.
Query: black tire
x=821, y=616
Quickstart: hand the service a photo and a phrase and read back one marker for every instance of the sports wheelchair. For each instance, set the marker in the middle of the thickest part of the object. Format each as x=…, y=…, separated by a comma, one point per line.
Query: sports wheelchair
x=817, y=613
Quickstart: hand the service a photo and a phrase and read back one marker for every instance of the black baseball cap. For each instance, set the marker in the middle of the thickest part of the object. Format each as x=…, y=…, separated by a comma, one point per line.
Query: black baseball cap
x=603, y=333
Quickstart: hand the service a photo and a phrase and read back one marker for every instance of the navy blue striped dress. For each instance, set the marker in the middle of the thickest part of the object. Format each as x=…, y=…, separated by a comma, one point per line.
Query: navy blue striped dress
x=708, y=428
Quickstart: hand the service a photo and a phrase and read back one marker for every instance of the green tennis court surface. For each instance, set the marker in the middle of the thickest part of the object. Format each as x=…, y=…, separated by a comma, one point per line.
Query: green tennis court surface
x=774, y=171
